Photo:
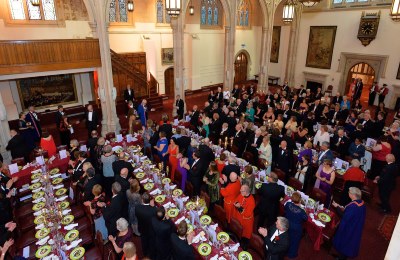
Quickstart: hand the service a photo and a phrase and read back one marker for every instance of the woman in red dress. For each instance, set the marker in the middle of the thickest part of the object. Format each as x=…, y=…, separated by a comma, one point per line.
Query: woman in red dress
x=173, y=151
x=221, y=162
x=47, y=143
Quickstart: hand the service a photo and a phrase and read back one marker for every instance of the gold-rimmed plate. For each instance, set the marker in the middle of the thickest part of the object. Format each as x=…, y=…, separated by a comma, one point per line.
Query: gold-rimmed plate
x=205, y=220
x=160, y=198
x=71, y=235
x=61, y=192
x=43, y=251
x=148, y=186
x=38, y=194
x=172, y=213
x=223, y=237
x=41, y=233
x=54, y=171
x=177, y=192
x=38, y=206
x=77, y=253
x=57, y=181
x=67, y=219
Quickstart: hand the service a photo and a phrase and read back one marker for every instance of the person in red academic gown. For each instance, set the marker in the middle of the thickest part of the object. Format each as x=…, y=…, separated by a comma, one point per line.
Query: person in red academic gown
x=230, y=193
x=244, y=212
x=348, y=235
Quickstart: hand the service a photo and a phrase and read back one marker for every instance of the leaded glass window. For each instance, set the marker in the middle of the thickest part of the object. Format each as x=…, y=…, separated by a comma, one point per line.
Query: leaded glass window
x=33, y=11
x=24, y=10
x=118, y=11
x=49, y=10
x=17, y=9
x=210, y=13
x=162, y=15
x=243, y=14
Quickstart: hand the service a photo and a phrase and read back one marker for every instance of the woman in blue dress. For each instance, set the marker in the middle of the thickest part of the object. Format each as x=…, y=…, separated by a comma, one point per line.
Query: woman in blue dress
x=296, y=216
x=162, y=148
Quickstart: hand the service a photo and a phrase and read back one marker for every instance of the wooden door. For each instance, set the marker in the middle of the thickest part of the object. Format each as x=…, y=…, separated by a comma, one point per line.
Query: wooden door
x=169, y=82
x=241, y=68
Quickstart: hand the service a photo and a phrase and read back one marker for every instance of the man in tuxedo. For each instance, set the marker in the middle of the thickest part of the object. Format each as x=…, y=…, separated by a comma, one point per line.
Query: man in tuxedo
x=92, y=119
x=124, y=180
x=180, y=106
x=163, y=229
x=231, y=120
x=383, y=93
x=239, y=139
x=145, y=214
x=184, y=142
x=358, y=89
x=337, y=99
x=386, y=182
x=224, y=133
x=33, y=118
x=317, y=109
x=59, y=114
x=284, y=160
x=180, y=243
x=287, y=113
x=368, y=124
x=270, y=196
x=276, y=239
x=254, y=142
x=230, y=167
x=340, y=143
x=194, y=119
x=215, y=127
x=196, y=172
x=120, y=164
x=17, y=146
x=206, y=153
x=295, y=103
x=236, y=91
x=92, y=179
x=129, y=94
x=113, y=211
x=357, y=149
x=77, y=173
x=92, y=141
x=302, y=91
x=285, y=87
x=335, y=115
x=219, y=96
x=324, y=154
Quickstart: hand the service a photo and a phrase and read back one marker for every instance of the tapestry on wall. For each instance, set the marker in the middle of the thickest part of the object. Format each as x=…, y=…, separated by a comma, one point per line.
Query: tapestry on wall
x=167, y=56
x=276, y=43
x=320, y=46
x=47, y=91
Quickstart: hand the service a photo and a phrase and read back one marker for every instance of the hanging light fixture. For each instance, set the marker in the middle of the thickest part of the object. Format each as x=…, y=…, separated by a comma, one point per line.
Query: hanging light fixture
x=35, y=2
x=288, y=11
x=395, y=10
x=131, y=6
x=191, y=8
x=309, y=3
x=173, y=7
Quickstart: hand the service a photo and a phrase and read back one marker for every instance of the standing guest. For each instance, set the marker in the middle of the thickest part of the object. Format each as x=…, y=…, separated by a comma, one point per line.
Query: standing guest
x=265, y=153
x=96, y=211
x=107, y=160
x=357, y=149
x=92, y=119
x=379, y=152
x=381, y=109
x=303, y=171
x=386, y=182
x=121, y=163
x=26, y=132
x=194, y=119
x=162, y=148
x=92, y=180
x=254, y=142
x=249, y=179
x=77, y=173
x=270, y=196
x=142, y=112
x=236, y=91
x=163, y=229
x=306, y=151
x=47, y=143
x=324, y=153
x=92, y=142
x=244, y=212
x=227, y=96
x=230, y=193
x=172, y=153
x=183, y=167
x=180, y=243
x=64, y=130
x=239, y=139
x=347, y=239
x=196, y=172
x=165, y=126
x=358, y=88
x=373, y=90
x=353, y=177
x=321, y=136
x=124, y=181
x=337, y=99
x=221, y=162
x=276, y=239
x=325, y=178
x=180, y=106
x=133, y=124
x=230, y=167
x=296, y=216
x=17, y=146
x=147, y=135
x=59, y=114
x=145, y=213
x=129, y=250
x=125, y=234
x=129, y=94
x=340, y=143
x=97, y=153
x=33, y=118
x=211, y=97
x=383, y=91
x=134, y=199
x=211, y=180
x=250, y=112
x=284, y=160
x=74, y=144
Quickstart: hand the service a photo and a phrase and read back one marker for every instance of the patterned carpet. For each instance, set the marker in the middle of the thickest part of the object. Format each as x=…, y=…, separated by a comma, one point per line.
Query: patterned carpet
x=386, y=228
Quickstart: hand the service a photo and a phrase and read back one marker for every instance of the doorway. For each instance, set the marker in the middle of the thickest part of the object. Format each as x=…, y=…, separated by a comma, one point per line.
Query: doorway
x=313, y=86
x=169, y=82
x=241, y=66
x=366, y=73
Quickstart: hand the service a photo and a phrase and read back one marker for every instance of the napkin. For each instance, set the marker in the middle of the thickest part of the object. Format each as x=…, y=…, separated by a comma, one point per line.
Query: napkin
x=51, y=257
x=214, y=257
x=37, y=190
x=71, y=226
x=55, y=175
x=24, y=187
x=74, y=244
x=184, y=199
x=235, y=247
x=168, y=205
x=214, y=227
x=198, y=238
x=50, y=242
x=200, y=211
x=138, y=170
x=39, y=226
x=318, y=223
x=143, y=158
x=171, y=187
x=144, y=180
x=62, y=198
x=66, y=211
x=180, y=220
x=25, y=166
x=26, y=197
x=58, y=186
x=39, y=212
x=36, y=171
x=42, y=241
x=35, y=180
x=156, y=191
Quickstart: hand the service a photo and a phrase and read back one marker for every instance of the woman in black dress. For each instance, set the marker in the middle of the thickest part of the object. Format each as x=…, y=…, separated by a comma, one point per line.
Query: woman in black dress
x=26, y=130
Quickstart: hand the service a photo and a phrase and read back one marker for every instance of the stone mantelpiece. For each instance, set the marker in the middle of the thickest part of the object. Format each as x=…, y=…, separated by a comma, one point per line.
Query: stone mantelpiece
x=316, y=77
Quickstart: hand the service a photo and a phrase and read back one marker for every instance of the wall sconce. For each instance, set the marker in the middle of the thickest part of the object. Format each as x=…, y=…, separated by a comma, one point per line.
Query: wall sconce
x=35, y=2
x=173, y=7
x=191, y=8
x=131, y=6
x=395, y=10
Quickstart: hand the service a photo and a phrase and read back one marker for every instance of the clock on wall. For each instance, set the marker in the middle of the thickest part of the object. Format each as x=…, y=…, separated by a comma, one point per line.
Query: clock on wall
x=368, y=28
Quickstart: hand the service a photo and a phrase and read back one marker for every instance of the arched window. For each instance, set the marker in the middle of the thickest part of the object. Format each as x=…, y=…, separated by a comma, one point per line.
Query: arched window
x=209, y=13
x=162, y=15
x=243, y=14
x=118, y=11
x=24, y=10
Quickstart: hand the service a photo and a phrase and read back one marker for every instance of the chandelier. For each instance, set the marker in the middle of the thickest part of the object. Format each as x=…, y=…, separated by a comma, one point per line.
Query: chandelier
x=289, y=8
x=131, y=6
x=395, y=10
x=35, y=2
x=309, y=3
x=173, y=7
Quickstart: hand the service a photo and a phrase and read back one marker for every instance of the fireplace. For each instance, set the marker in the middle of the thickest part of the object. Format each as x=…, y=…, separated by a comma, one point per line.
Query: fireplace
x=313, y=86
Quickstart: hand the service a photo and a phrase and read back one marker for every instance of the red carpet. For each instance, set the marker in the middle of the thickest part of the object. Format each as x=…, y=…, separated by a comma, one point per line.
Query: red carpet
x=386, y=228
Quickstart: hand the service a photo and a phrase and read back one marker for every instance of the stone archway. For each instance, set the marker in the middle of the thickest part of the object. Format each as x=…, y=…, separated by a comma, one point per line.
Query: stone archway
x=242, y=66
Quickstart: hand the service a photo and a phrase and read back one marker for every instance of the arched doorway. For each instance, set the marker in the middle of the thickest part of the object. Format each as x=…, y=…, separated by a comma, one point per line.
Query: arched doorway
x=241, y=66
x=169, y=82
x=365, y=72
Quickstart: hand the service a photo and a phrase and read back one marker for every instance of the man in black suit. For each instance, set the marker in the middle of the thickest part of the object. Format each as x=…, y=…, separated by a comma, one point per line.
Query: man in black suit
x=386, y=182
x=59, y=114
x=295, y=103
x=340, y=143
x=145, y=213
x=92, y=179
x=270, y=196
x=324, y=154
x=194, y=119
x=337, y=99
x=239, y=139
x=206, y=153
x=284, y=160
x=123, y=179
x=92, y=142
x=358, y=89
x=276, y=239
x=180, y=243
x=120, y=164
x=254, y=142
x=196, y=172
x=163, y=229
x=368, y=124
x=184, y=142
x=219, y=96
x=230, y=167
x=113, y=211
x=129, y=94
x=92, y=119
x=33, y=118
x=235, y=92
x=17, y=146
x=317, y=109
x=180, y=106
x=77, y=172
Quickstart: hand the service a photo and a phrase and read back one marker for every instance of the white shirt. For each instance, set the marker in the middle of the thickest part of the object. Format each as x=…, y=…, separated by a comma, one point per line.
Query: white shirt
x=227, y=94
x=195, y=162
x=90, y=115
x=276, y=233
x=322, y=154
x=319, y=138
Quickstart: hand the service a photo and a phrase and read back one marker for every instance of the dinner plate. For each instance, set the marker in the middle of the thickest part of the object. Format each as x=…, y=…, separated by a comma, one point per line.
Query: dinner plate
x=156, y=170
x=77, y=253
x=166, y=180
x=148, y=186
x=57, y=181
x=119, y=150
x=295, y=152
x=67, y=219
x=36, y=175
x=290, y=188
x=177, y=192
x=244, y=255
x=61, y=192
x=310, y=202
x=204, y=249
x=54, y=171
x=64, y=205
x=258, y=185
x=255, y=168
x=43, y=251
x=146, y=161
x=41, y=233
x=140, y=175
x=38, y=194
x=172, y=213
x=35, y=186
x=38, y=206
x=324, y=217
x=190, y=205
x=206, y=220
x=39, y=220
x=160, y=198
x=223, y=237
x=71, y=235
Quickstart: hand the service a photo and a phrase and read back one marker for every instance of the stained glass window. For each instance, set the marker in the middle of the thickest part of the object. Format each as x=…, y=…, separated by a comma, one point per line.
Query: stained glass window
x=342, y=3
x=24, y=10
x=118, y=11
x=203, y=15
x=160, y=12
x=33, y=11
x=49, y=10
x=243, y=14
x=209, y=13
x=17, y=9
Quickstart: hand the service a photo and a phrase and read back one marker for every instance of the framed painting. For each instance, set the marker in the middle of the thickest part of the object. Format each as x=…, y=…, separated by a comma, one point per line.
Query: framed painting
x=167, y=56
x=47, y=91
x=398, y=73
x=275, y=44
x=320, y=46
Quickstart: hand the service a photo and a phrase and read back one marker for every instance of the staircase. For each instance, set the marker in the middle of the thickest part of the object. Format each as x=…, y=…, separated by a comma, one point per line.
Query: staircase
x=124, y=73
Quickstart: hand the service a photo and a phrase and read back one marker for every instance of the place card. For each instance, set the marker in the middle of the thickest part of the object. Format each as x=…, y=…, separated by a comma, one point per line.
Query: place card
x=25, y=252
x=176, y=122
x=40, y=160
x=119, y=138
x=13, y=168
x=83, y=148
x=128, y=138
x=63, y=154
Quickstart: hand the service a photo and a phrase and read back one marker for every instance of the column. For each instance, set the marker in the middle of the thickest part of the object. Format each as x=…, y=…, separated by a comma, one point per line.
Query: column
x=263, y=76
x=177, y=34
x=4, y=132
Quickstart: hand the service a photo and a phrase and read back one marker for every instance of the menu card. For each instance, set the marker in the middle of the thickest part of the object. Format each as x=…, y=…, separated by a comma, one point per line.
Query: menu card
x=13, y=168
x=128, y=138
x=83, y=148
x=40, y=160
x=63, y=154
x=119, y=138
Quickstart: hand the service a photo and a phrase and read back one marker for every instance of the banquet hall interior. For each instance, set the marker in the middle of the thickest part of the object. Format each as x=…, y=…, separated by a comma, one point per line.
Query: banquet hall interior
x=71, y=67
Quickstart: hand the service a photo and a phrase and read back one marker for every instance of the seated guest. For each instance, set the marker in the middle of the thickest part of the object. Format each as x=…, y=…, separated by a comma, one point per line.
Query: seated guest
x=125, y=234
x=324, y=153
x=211, y=180
x=134, y=199
x=325, y=178
x=129, y=250
x=249, y=178
x=303, y=171
x=353, y=177
x=230, y=193
x=244, y=212
x=163, y=229
x=321, y=136
x=254, y=143
x=144, y=214
x=347, y=239
x=292, y=124
x=114, y=210
x=340, y=143
x=265, y=153
x=296, y=216
x=180, y=243
x=17, y=145
x=47, y=144
x=121, y=163
x=276, y=239
x=96, y=211
x=357, y=149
